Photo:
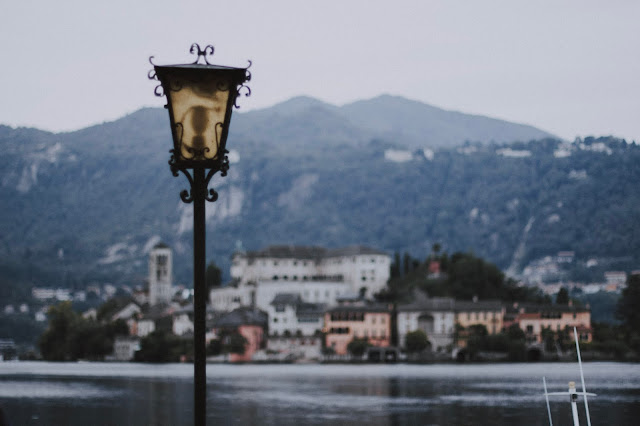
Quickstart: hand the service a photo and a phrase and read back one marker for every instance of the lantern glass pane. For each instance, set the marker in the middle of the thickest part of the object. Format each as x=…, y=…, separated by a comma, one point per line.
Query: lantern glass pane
x=199, y=108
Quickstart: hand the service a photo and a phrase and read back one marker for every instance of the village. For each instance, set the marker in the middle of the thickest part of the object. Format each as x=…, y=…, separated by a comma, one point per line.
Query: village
x=313, y=304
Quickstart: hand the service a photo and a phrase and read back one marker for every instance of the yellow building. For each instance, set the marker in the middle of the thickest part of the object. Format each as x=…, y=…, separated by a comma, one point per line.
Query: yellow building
x=489, y=313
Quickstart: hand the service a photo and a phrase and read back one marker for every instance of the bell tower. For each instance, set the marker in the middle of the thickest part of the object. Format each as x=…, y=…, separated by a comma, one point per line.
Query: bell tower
x=160, y=274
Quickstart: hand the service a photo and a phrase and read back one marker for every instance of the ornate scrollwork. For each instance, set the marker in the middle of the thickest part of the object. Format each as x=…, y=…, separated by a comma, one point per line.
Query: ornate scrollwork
x=196, y=50
x=187, y=196
x=243, y=88
x=158, y=91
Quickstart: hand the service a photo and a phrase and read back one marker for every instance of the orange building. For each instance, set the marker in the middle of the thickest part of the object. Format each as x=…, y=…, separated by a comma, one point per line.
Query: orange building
x=342, y=324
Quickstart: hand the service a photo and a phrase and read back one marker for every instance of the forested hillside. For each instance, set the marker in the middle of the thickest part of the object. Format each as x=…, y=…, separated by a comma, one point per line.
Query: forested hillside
x=87, y=206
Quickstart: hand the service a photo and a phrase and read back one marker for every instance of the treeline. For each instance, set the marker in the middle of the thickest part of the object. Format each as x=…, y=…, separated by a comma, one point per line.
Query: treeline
x=461, y=276
x=621, y=340
x=70, y=337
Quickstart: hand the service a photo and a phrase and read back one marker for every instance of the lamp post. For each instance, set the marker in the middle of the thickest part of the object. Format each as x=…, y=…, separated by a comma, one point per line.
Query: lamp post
x=200, y=97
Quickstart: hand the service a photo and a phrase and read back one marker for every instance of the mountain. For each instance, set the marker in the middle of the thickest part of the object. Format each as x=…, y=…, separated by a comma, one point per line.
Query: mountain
x=393, y=118
x=87, y=206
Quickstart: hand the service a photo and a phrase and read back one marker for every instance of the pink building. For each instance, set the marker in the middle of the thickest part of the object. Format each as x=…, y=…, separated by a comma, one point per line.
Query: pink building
x=249, y=323
x=532, y=319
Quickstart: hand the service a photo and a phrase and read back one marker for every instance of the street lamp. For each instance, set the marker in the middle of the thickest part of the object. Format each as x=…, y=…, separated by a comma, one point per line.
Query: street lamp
x=200, y=98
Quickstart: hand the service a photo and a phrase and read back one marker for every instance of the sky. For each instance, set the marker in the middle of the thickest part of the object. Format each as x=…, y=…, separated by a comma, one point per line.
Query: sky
x=568, y=67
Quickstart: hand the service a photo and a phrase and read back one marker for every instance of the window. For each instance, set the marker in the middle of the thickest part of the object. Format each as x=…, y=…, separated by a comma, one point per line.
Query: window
x=529, y=329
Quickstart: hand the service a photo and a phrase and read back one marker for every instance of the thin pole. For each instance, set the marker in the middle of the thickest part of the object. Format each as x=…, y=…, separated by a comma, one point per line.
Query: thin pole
x=546, y=395
x=584, y=388
x=199, y=299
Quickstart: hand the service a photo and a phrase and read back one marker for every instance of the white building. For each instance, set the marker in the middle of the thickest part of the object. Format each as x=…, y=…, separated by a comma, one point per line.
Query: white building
x=124, y=348
x=160, y=274
x=436, y=317
x=145, y=327
x=317, y=274
x=182, y=322
x=290, y=316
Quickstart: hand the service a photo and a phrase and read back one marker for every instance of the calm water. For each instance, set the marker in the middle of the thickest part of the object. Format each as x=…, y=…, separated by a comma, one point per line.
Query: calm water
x=38, y=393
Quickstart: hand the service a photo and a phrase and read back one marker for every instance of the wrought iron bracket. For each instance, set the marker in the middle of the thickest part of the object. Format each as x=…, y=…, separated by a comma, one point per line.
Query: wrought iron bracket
x=198, y=188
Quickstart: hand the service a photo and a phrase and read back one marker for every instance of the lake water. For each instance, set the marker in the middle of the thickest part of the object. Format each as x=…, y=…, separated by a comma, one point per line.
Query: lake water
x=39, y=393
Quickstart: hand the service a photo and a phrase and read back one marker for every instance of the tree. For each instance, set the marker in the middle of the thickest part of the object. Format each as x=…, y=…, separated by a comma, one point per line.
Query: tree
x=362, y=293
x=71, y=337
x=236, y=343
x=54, y=342
x=416, y=341
x=627, y=308
x=214, y=347
x=563, y=297
x=357, y=347
x=160, y=346
x=213, y=276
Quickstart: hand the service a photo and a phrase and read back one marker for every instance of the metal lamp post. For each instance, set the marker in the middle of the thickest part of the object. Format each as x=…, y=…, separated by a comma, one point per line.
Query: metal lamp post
x=200, y=97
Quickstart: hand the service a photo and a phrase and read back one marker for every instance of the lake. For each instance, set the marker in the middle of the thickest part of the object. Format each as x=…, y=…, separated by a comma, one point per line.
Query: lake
x=40, y=393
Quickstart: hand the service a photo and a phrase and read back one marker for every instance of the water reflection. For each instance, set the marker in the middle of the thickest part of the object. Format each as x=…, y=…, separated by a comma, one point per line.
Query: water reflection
x=80, y=394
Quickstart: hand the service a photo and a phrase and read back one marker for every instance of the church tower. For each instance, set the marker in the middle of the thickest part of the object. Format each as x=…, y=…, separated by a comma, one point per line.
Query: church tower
x=160, y=274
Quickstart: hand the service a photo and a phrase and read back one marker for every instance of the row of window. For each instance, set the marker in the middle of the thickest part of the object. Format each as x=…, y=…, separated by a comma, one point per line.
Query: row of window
x=479, y=315
x=356, y=316
x=306, y=263
x=337, y=278
x=363, y=334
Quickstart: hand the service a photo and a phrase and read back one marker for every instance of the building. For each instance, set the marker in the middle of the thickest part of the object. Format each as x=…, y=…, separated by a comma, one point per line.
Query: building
x=318, y=275
x=436, y=317
x=125, y=348
x=249, y=323
x=533, y=319
x=160, y=274
x=290, y=316
x=489, y=313
x=182, y=321
x=344, y=323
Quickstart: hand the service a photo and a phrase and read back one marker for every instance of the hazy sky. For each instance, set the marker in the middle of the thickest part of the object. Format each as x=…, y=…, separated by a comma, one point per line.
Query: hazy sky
x=568, y=67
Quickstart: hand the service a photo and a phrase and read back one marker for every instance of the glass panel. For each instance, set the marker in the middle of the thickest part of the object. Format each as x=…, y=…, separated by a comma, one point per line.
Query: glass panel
x=199, y=111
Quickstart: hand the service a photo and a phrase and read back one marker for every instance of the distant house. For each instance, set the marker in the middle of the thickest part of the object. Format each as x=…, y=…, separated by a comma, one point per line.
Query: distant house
x=295, y=327
x=145, y=326
x=533, y=319
x=91, y=313
x=344, y=323
x=182, y=321
x=248, y=322
x=489, y=313
x=124, y=348
x=128, y=311
x=434, y=316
